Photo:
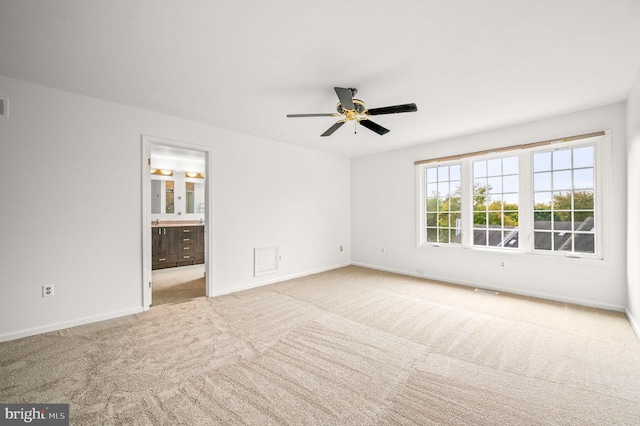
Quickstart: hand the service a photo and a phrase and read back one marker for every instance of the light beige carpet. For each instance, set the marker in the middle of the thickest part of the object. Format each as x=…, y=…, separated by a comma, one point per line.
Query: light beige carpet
x=346, y=347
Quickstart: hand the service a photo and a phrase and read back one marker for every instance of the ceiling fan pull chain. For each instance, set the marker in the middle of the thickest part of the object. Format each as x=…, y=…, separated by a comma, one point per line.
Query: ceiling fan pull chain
x=355, y=127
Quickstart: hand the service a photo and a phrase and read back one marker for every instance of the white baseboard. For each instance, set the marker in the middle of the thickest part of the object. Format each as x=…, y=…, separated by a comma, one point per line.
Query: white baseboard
x=68, y=324
x=634, y=323
x=88, y=320
x=277, y=280
x=538, y=295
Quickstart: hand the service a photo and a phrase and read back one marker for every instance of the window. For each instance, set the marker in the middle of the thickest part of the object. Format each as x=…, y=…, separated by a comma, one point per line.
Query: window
x=495, y=202
x=535, y=198
x=563, y=194
x=442, y=204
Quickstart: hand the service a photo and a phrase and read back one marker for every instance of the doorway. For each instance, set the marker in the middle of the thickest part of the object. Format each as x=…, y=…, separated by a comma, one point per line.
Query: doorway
x=176, y=219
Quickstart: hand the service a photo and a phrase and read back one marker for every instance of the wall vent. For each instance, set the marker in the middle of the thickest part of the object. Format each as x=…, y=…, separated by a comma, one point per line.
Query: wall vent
x=4, y=107
x=265, y=260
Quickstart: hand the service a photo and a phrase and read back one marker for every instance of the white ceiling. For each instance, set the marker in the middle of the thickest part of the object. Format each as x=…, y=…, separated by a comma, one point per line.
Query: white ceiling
x=469, y=65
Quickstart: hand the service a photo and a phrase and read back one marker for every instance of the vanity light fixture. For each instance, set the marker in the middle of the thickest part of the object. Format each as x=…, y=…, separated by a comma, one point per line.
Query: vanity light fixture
x=195, y=175
x=162, y=172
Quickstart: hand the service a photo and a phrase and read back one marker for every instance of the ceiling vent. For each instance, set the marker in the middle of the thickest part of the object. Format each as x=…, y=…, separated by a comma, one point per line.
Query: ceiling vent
x=4, y=107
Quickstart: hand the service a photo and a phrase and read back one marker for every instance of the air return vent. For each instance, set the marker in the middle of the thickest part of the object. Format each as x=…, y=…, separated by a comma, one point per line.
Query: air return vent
x=4, y=107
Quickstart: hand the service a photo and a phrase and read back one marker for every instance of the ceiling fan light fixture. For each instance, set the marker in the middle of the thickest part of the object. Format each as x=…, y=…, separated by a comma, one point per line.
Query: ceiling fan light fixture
x=355, y=110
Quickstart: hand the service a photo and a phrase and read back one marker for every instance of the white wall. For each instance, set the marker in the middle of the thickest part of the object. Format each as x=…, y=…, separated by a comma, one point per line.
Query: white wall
x=70, y=173
x=633, y=254
x=383, y=205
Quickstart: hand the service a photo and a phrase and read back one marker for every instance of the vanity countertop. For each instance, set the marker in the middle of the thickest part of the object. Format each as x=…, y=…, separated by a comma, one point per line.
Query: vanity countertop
x=167, y=223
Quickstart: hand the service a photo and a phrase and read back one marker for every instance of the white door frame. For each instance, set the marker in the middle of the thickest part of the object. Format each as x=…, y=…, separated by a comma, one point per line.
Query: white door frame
x=147, y=143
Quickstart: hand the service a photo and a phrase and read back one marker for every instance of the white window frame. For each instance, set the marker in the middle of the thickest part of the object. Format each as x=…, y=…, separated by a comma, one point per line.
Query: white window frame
x=602, y=176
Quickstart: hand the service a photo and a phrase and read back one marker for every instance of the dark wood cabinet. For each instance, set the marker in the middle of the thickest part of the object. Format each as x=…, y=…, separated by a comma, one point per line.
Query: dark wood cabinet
x=173, y=246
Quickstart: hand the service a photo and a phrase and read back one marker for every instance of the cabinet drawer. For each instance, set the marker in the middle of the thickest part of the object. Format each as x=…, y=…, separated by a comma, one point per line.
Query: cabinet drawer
x=186, y=239
x=186, y=249
x=159, y=262
x=185, y=259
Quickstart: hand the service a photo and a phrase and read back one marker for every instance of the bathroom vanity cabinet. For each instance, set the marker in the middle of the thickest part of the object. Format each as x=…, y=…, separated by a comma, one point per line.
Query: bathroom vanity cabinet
x=175, y=245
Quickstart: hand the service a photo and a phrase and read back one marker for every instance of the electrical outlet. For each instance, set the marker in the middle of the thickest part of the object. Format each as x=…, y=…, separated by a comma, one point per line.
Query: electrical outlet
x=382, y=250
x=340, y=248
x=503, y=264
x=279, y=258
x=420, y=271
x=47, y=290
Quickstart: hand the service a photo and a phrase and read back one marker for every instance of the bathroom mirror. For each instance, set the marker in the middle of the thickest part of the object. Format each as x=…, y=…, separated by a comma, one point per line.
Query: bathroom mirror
x=194, y=192
x=162, y=196
x=190, y=196
x=170, y=205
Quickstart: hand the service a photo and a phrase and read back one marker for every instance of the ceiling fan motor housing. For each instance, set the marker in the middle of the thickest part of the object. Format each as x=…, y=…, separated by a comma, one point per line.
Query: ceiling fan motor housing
x=359, y=107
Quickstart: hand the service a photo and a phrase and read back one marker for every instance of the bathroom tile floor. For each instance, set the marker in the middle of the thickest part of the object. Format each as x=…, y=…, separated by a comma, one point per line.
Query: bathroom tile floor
x=176, y=285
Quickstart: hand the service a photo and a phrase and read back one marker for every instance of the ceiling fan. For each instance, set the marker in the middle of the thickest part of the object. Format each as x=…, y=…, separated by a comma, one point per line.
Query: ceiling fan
x=355, y=110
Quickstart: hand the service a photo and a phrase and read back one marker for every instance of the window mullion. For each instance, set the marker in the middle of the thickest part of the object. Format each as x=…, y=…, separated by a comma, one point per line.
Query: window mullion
x=467, y=203
x=525, y=218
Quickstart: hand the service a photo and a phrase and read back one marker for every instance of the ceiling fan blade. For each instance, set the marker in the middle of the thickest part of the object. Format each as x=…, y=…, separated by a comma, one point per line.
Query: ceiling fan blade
x=395, y=109
x=373, y=126
x=346, y=97
x=329, y=114
x=333, y=128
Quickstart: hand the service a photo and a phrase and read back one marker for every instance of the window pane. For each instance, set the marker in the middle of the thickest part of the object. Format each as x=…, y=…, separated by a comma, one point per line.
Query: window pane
x=480, y=186
x=432, y=205
x=455, y=187
x=495, y=219
x=494, y=167
x=479, y=219
x=583, y=221
x=454, y=204
x=510, y=219
x=562, y=180
x=494, y=185
x=510, y=165
x=432, y=219
x=583, y=200
x=583, y=178
x=432, y=174
x=510, y=183
x=542, y=220
x=583, y=157
x=495, y=238
x=443, y=173
x=562, y=159
x=541, y=161
x=510, y=201
x=479, y=168
x=443, y=235
x=432, y=235
x=479, y=237
x=432, y=190
x=562, y=200
x=455, y=172
x=443, y=189
x=541, y=181
x=542, y=201
x=562, y=241
x=584, y=243
x=542, y=240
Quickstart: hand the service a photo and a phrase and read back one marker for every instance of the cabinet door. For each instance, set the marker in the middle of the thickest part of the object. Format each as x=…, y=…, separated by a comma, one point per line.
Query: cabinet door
x=163, y=248
x=199, y=245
